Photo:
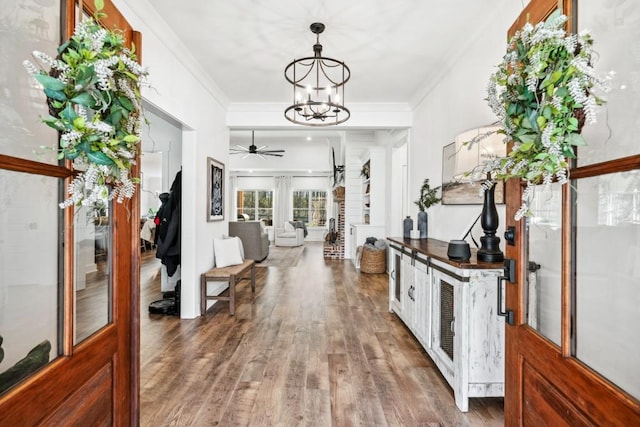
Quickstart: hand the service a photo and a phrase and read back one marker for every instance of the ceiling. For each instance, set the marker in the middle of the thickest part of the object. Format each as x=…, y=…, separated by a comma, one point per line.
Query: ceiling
x=395, y=49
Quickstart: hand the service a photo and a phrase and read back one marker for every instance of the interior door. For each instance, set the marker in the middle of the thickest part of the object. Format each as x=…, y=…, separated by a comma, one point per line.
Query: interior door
x=86, y=270
x=572, y=353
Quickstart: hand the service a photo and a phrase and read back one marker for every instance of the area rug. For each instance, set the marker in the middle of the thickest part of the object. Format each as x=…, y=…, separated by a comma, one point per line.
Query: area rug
x=282, y=256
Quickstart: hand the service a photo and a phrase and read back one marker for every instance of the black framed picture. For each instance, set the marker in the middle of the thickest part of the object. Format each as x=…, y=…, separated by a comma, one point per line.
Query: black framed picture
x=461, y=184
x=215, y=190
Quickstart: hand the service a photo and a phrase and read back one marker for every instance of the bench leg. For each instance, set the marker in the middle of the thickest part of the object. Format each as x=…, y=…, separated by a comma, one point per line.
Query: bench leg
x=232, y=295
x=253, y=278
x=203, y=295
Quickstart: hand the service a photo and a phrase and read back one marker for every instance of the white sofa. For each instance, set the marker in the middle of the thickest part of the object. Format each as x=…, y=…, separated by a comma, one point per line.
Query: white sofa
x=284, y=237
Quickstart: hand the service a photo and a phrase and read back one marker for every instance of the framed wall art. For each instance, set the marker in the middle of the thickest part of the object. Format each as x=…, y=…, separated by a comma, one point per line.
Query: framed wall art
x=215, y=190
x=461, y=182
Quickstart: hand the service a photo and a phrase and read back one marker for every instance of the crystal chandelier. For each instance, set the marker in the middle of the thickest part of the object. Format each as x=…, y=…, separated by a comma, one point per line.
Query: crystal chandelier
x=318, y=87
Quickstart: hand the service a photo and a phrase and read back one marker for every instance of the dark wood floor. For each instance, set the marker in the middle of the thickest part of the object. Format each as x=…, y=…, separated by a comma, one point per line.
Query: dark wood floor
x=314, y=346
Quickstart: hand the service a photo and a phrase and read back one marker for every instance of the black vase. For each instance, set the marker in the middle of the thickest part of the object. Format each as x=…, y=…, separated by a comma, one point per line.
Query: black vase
x=407, y=225
x=422, y=224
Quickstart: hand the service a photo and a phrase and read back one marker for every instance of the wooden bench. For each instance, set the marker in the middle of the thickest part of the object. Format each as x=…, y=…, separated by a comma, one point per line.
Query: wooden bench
x=232, y=274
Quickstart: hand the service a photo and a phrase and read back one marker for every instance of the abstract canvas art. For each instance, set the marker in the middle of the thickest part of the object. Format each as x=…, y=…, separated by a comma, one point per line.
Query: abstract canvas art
x=215, y=190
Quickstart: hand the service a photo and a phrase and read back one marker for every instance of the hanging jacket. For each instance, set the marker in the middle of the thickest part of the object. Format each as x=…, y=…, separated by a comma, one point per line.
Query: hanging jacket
x=158, y=218
x=169, y=234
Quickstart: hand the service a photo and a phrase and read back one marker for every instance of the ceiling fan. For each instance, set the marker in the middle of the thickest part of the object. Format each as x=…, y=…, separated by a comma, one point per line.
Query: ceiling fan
x=258, y=151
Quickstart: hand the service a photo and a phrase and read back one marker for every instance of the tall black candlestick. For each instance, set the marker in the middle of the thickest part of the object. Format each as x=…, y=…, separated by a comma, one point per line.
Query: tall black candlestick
x=490, y=243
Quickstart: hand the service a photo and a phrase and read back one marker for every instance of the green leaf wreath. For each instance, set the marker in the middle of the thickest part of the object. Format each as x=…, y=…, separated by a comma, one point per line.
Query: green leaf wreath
x=542, y=93
x=92, y=90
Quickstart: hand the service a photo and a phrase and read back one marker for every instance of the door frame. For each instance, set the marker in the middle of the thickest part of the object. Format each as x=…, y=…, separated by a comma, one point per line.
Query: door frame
x=98, y=379
x=572, y=389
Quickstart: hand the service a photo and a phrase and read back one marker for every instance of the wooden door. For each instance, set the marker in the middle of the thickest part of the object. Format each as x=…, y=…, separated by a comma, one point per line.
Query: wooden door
x=92, y=376
x=551, y=377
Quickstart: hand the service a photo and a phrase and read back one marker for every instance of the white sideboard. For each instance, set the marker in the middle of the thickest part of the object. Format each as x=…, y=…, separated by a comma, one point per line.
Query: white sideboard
x=451, y=309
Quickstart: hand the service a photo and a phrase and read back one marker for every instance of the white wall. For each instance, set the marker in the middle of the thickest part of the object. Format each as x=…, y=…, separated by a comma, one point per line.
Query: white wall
x=260, y=182
x=456, y=103
x=151, y=183
x=163, y=135
x=182, y=90
x=310, y=183
x=397, y=189
x=161, y=160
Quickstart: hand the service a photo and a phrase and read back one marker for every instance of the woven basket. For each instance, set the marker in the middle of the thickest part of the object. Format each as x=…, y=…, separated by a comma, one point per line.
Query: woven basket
x=338, y=194
x=373, y=261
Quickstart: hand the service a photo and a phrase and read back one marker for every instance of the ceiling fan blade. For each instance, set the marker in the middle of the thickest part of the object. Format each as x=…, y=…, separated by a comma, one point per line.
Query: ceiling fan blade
x=252, y=149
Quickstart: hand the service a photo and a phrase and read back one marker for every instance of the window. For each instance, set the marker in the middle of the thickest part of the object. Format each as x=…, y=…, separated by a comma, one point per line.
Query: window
x=310, y=207
x=256, y=204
